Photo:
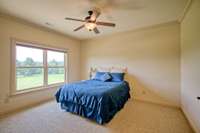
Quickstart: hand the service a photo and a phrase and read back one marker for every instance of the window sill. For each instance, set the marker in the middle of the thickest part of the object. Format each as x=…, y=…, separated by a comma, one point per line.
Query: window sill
x=22, y=92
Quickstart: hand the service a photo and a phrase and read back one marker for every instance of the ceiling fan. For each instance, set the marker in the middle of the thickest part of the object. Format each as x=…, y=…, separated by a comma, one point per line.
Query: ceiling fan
x=90, y=22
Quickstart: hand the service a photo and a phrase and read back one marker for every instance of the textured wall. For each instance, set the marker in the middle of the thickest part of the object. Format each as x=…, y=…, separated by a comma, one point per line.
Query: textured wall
x=152, y=56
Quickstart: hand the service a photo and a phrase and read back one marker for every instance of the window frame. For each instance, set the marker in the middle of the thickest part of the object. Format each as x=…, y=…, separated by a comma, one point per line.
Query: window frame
x=44, y=48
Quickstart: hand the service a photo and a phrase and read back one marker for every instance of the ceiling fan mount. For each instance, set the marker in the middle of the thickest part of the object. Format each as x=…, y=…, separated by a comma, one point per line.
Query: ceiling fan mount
x=90, y=22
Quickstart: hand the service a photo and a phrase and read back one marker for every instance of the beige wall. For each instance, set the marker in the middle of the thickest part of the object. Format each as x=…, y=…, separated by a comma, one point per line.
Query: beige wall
x=190, y=64
x=12, y=28
x=152, y=56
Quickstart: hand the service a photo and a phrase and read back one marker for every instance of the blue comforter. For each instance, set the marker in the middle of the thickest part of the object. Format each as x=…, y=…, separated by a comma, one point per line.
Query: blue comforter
x=94, y=99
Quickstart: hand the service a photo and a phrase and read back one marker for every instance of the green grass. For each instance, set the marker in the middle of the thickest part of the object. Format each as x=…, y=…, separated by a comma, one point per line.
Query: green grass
x=37, y=80
x=55, y=78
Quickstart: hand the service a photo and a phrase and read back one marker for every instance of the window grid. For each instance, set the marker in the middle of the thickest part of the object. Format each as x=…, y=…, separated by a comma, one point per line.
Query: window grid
x=45, y=67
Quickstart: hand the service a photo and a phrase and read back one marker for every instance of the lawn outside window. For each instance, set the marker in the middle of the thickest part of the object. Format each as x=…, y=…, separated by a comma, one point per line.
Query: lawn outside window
x=36, y=67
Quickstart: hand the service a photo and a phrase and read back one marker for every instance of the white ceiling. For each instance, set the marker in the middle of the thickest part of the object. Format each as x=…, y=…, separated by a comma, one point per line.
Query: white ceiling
x=127, y=14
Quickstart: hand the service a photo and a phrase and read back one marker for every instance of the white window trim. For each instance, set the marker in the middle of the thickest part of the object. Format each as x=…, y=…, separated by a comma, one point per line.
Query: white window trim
x=14, y=43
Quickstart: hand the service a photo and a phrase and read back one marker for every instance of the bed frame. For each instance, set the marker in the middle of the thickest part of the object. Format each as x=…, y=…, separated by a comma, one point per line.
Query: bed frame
x=93, y=70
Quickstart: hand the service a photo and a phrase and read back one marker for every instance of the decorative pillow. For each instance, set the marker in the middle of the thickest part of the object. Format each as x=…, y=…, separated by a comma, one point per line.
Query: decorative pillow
x=106, y=77
x=117, y=77
x=98, y=75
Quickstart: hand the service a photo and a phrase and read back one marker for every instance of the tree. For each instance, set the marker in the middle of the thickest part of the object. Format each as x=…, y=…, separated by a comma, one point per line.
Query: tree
x=53, y=63
x=18, y=63
x=29, y=62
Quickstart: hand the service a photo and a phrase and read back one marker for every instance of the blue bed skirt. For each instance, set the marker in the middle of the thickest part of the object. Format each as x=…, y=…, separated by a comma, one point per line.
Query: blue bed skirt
x=91, y=113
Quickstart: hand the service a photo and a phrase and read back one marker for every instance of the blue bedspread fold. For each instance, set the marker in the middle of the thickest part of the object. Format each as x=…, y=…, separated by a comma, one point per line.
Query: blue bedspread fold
x=94, y=99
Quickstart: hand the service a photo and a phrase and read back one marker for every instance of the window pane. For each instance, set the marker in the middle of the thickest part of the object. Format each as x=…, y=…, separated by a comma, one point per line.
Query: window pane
x=56, y=75
x=26, y=56
x=29, y=78
x=55, y=58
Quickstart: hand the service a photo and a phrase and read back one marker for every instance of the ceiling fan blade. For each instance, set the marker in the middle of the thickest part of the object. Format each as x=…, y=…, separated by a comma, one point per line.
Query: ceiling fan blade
x=96, y=30
x=80, y=27
x=74, y=19
x=105, y=24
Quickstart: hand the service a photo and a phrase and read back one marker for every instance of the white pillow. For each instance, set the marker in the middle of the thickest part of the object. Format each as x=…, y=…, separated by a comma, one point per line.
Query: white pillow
x=118, y=70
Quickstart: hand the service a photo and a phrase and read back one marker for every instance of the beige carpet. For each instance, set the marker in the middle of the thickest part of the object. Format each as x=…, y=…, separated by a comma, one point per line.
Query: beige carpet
x=135, y=117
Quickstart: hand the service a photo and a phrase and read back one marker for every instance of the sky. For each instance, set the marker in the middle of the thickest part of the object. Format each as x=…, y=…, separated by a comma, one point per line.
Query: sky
x=36, y=54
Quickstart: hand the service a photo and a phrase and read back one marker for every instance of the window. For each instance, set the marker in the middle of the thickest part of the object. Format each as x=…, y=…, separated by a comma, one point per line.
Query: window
x=37, y=67
x=56, y=68
x=29, y=68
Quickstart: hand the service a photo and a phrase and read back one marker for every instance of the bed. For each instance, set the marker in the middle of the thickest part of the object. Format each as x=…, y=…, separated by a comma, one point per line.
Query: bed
x=94, y=99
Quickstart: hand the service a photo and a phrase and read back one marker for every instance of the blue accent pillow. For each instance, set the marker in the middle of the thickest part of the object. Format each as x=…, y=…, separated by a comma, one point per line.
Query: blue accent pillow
x=98, y=75
x=117, y=77
x=106, y=77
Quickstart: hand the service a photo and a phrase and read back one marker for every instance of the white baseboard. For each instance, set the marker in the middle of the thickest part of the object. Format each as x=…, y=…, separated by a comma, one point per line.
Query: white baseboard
x=190, y=121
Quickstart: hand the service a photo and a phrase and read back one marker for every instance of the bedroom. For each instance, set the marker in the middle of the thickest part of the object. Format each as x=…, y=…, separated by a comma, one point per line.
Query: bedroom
x=155, y=43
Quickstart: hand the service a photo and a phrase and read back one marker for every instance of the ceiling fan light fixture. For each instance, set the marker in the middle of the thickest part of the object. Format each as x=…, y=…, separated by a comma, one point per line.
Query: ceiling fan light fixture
x=90, y=22
x=90, y=26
